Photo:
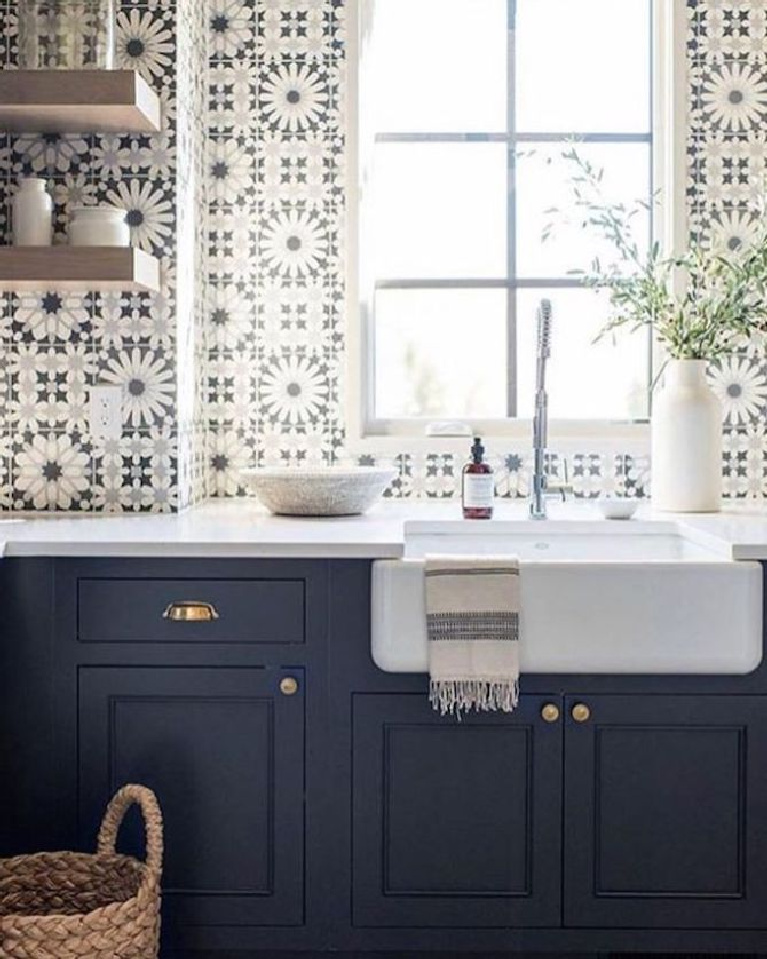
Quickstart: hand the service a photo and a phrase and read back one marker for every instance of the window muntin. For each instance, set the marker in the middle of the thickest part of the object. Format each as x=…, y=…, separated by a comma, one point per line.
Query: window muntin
x=456, y=190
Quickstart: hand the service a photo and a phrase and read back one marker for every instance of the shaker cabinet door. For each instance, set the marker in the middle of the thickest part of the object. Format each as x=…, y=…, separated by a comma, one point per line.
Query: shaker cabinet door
x=455, y=823
x=666, y=812
x=224, y=752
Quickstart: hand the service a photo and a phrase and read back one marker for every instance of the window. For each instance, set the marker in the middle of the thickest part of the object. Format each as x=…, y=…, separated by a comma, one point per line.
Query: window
x=461, y=107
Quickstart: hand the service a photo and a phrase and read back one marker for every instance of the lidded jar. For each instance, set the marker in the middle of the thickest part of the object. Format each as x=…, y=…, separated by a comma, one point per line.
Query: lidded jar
x=66, y=34
x=98, y=226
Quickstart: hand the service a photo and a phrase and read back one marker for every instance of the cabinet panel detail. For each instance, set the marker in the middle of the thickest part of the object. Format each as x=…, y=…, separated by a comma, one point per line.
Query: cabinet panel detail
x=236, y=803
x=665, y=819
x=224, y=751
x=436, y=779
x=682, y=804
x=455, y=824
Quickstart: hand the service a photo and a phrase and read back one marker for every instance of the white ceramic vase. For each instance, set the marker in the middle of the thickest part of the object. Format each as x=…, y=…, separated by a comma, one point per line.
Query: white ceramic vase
x=686, y=441
x=32, y=213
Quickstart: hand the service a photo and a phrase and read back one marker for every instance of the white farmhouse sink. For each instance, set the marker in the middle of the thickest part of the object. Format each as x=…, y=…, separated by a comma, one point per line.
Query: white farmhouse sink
x=596, y=598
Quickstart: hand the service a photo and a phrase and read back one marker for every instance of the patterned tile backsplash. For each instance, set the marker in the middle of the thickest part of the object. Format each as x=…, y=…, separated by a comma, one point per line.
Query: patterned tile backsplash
x=239, y=358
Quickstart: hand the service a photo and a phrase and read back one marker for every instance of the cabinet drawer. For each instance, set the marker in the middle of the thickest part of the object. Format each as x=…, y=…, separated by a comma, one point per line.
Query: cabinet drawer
x=133, y=610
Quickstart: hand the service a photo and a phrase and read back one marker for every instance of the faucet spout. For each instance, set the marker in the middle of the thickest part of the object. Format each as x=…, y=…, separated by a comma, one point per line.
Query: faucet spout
x=541, y=413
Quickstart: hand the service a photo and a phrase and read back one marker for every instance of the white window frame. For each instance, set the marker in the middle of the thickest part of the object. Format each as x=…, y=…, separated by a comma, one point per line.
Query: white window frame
x=669, y=91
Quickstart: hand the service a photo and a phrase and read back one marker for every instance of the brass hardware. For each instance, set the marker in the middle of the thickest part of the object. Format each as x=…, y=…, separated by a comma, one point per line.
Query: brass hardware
x=550, y=713
x=581, y=713
x=190, y=611
x=288, y=686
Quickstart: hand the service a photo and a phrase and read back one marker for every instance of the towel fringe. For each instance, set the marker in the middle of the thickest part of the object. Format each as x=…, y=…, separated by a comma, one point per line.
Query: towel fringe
x=454, y=696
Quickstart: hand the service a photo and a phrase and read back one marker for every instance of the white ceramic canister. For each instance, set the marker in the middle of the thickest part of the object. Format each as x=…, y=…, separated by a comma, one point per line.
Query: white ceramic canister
x=32, y=213
x=98, y=226
x=686, y=441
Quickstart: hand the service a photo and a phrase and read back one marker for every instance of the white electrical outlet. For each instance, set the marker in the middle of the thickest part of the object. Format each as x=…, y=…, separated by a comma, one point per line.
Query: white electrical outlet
x=106, y=412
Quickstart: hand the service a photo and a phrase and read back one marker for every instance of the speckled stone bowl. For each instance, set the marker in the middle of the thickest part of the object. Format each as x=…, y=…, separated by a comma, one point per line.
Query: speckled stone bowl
x=318, y=491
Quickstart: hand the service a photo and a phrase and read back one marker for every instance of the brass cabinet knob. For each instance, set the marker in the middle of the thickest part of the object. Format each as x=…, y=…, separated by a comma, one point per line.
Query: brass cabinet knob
x=550, y=713
x=190, y=611
x=581, y=713
x=288, y=686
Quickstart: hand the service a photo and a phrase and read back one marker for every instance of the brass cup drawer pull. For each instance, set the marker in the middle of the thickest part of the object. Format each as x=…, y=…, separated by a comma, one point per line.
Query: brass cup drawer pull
x=191, y=611
x=581, y=713
x=550, y=713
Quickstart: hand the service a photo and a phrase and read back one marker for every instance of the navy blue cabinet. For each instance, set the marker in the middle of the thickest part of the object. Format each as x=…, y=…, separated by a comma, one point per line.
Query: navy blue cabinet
x=337, y=811
x=224, y=749
x=626, y=812
x=666, y=812
x=455, y=824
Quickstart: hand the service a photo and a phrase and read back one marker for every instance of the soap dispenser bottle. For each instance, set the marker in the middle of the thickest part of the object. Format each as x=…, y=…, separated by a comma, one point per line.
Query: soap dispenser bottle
x=478, y=487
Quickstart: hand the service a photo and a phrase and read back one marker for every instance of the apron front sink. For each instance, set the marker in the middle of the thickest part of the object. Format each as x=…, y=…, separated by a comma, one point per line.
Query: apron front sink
x=633, y=601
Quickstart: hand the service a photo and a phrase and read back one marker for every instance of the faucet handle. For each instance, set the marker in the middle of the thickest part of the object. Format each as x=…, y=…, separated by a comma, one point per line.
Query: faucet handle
x=561, y=488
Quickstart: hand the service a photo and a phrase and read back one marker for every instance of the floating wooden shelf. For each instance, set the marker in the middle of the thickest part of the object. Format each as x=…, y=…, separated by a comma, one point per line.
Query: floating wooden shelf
x=77, y=268
x=77, y=101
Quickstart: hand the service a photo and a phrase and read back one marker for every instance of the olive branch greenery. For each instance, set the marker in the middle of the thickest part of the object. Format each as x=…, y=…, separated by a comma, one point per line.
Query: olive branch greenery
x=702, y=304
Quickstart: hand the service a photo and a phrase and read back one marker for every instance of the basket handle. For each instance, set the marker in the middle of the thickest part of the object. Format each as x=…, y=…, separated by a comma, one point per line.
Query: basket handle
x=121, y=802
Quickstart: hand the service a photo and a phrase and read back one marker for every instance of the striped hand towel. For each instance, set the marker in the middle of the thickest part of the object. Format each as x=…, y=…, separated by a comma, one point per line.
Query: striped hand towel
x=472, y=623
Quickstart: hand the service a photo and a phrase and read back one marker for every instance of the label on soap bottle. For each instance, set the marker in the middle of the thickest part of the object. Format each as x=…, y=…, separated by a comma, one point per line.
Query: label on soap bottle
x=478, y=490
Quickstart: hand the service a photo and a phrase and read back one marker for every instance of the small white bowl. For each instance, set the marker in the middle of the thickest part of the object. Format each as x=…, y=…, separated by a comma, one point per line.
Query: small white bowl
x=318, y=491
x=617, y=507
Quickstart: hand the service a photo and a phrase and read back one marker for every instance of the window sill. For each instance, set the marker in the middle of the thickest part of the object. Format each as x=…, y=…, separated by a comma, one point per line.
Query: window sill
x=566, y=438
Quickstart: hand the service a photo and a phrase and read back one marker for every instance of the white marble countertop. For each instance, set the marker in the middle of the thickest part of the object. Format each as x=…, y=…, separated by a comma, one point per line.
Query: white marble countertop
x=241, y=528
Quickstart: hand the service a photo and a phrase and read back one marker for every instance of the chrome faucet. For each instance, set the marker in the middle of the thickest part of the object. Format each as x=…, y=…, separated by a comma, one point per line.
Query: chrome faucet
x=542, y=487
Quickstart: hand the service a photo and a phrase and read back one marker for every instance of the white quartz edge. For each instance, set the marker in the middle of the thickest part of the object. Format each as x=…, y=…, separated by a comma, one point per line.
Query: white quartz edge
x=232, y=528
x=242, y=529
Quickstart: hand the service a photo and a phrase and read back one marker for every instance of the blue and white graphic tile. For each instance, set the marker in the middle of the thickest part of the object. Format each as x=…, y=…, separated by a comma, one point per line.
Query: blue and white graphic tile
x=239, y=359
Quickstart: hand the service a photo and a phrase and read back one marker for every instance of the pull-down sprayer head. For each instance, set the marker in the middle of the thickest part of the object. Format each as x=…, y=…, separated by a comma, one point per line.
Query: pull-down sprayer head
x=544, y=330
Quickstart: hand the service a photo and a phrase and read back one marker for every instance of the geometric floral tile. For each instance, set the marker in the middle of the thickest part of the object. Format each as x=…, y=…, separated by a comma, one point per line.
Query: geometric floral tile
x=147, y=380
x=301, y=32
x=49, y=154
x=231, y=99
x=229, y=453
x=55, y=345
x=732, y=97
x=588, y=475
x=145, y=41
x=150, y=211
x=232, y=30
x=137, y=472
x=300, y=170
x=632, y=475
x=741, y=385
x=231, y=170
x=49, y=388
x=51, y=470
x=296, y=98
x=229, y=317
x=276, y=261
x=239, y=358
x=51, y=316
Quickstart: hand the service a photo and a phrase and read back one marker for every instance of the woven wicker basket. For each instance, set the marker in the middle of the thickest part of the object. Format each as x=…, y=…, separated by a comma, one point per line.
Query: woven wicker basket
x=70, y=905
